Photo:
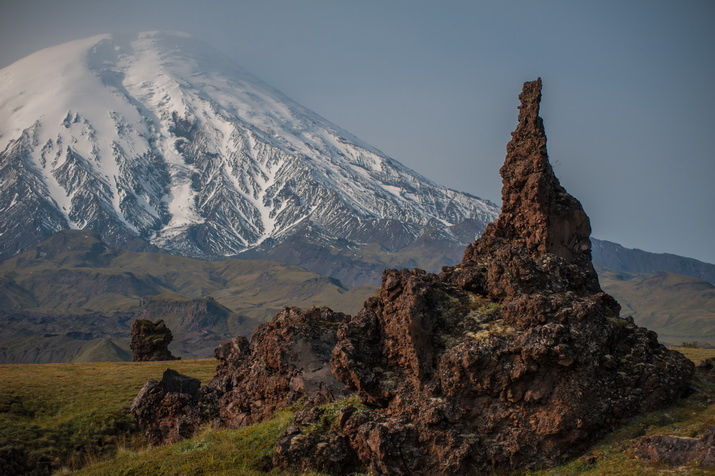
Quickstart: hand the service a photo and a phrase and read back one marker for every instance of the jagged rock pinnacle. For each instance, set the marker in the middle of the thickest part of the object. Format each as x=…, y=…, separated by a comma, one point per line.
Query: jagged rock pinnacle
x=512, y=360
x=538, y=215
x=535, y=206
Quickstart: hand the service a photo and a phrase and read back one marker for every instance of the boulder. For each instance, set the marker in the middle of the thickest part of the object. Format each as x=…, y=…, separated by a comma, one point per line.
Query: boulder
x=286, y=361
x=678, y=451
x=168, y=411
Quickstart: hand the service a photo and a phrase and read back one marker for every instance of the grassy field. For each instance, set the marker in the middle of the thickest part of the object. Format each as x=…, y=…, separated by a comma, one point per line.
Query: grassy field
x=695, y=354
x=70, y=416
x=67, y=415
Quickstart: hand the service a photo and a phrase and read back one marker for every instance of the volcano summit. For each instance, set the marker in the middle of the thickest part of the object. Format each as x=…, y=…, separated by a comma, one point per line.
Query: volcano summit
x=160, y=140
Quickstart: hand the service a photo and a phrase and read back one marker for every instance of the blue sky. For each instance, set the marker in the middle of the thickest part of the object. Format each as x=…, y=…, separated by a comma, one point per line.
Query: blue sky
x=628, y=88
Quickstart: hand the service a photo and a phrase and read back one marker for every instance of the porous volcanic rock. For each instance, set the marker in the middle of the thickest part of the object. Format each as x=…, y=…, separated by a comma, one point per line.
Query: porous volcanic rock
x=286, y=361
x=515, y=358
x=150, y=341
x=678, y=451
x=168, y=411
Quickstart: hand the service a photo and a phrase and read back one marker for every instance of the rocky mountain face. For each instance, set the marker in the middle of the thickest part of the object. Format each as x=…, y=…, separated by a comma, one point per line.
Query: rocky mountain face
x=157, y=141
x=514, y=358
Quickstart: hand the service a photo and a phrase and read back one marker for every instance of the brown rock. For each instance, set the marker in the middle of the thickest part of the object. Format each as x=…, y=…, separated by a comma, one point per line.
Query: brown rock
x=287, y=360
x=678, y=451
x=309, y=446
x=541, y=239
x=150, y=341
x=168, y=411
x=513, y=359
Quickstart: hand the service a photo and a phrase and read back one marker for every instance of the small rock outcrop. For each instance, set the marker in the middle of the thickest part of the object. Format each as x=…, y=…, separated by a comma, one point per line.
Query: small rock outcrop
x=286, y=361
x=168, y=411
x=513, y=359
x=150, y=341
x=678, y=451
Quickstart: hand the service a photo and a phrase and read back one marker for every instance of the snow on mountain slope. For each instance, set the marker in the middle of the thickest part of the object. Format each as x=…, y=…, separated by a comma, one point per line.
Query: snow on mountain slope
x=160, y=137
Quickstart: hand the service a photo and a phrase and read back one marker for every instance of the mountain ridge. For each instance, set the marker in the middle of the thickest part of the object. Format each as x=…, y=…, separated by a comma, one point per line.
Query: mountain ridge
x=633, y=260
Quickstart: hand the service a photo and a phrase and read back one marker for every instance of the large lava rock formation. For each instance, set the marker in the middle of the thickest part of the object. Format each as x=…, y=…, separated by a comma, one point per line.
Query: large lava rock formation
x=514, y=358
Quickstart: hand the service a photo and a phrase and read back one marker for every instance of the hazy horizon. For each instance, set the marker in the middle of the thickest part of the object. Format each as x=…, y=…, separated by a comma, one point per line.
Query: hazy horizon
x=627, y=88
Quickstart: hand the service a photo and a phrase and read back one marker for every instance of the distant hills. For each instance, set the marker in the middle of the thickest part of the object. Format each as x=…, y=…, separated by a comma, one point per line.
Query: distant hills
x=614, y=256
x=681, y=309
x=667, y=293
x=72, y=297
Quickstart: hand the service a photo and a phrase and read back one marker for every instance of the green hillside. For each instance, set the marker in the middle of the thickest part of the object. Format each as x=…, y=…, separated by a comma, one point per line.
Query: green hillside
x=679, y=308
x=72, y=297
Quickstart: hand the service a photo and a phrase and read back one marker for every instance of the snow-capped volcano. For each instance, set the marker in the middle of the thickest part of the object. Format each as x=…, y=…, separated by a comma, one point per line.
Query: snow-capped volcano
x=159, y=137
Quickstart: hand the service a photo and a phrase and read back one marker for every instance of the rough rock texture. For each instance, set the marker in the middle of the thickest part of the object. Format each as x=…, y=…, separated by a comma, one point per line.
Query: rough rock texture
x=286, y=361
x=514, y=358
x=304, y=446
x=150, y=341
x=540, y=242
x=677, y=451
x=168, y=411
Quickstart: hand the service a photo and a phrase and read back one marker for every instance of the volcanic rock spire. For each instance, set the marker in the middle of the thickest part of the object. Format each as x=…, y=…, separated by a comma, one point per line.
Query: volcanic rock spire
x=513, y=359
x=538, y=216
x=536, y=208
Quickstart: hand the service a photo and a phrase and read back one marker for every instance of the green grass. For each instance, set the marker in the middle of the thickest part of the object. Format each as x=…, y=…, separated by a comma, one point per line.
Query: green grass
x=330, y=414
x=55, y=415
x=243, y=451
x=695, y=354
